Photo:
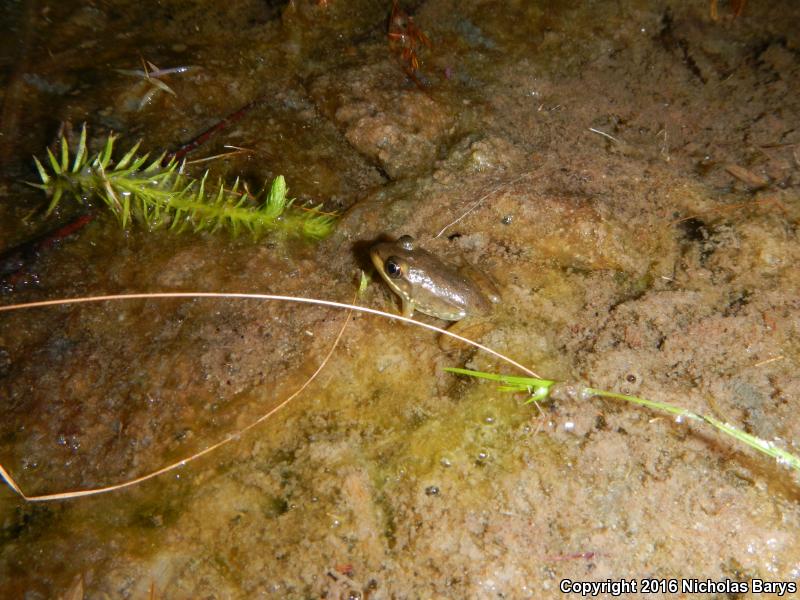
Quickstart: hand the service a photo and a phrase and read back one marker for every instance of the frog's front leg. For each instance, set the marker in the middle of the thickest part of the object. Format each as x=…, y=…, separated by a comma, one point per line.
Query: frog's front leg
x=408, y=308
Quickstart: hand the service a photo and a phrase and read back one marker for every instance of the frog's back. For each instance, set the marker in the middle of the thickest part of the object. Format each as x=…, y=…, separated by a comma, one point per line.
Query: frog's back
x=442, y=291
x=427, y=284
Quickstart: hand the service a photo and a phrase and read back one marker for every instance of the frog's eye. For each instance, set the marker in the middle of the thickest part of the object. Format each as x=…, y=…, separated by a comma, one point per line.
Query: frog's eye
x=406, y=242
x=392, y=267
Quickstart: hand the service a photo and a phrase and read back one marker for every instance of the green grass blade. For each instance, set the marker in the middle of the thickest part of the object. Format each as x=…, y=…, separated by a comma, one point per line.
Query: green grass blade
x=770, y=449
x=669, y=408
x=520, y=383
x=540, y=390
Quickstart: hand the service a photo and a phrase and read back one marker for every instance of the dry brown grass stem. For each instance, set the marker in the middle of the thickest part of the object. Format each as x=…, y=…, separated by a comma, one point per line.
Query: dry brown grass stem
x=6, y=476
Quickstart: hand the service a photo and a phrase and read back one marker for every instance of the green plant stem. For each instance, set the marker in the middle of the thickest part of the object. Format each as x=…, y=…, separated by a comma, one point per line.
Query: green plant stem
x=540, y=389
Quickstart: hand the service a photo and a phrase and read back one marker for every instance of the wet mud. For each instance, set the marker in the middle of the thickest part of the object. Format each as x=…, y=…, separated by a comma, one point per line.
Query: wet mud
x=627, y=173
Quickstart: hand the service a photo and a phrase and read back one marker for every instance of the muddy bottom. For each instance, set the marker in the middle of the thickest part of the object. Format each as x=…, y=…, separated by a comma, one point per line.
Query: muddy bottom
x=626, y=173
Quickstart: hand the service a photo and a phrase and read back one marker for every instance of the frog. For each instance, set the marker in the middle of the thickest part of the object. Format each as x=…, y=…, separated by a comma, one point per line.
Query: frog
x=429, y=285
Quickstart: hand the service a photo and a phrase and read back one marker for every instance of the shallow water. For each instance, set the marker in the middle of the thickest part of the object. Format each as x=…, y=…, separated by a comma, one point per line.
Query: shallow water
x=631, y=250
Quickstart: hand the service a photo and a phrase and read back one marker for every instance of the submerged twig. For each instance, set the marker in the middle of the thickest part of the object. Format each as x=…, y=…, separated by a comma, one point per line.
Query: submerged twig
x=204, y=136
x=14, y=262
x=232, y=151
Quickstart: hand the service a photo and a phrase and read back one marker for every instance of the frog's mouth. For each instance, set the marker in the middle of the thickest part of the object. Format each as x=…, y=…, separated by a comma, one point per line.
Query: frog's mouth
x=378, y=262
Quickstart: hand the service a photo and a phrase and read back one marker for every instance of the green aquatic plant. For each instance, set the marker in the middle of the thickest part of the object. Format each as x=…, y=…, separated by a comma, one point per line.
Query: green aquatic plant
x=543, y=389
x=157, y=195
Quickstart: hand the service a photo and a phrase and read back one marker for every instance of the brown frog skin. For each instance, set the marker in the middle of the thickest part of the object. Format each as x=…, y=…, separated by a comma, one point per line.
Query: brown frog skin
x=427, y=284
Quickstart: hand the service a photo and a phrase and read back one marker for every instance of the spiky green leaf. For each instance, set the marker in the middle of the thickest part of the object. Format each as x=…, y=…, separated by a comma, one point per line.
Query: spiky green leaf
x=64, y=155
x=81, y=153
x=57, y=192
x=125, y=160
x=53, y=162
x=277, y=194
x=104, y=158
x=42, y=173
x=138, y=189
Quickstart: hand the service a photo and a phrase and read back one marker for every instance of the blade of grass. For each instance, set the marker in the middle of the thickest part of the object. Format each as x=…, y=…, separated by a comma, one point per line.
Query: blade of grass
x=540, y=390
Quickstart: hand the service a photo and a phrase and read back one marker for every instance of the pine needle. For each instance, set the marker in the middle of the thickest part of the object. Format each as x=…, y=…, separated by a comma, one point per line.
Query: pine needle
x=137, y=189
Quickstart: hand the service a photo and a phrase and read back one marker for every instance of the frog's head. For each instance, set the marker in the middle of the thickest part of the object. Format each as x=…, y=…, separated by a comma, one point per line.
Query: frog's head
x=391, y=259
